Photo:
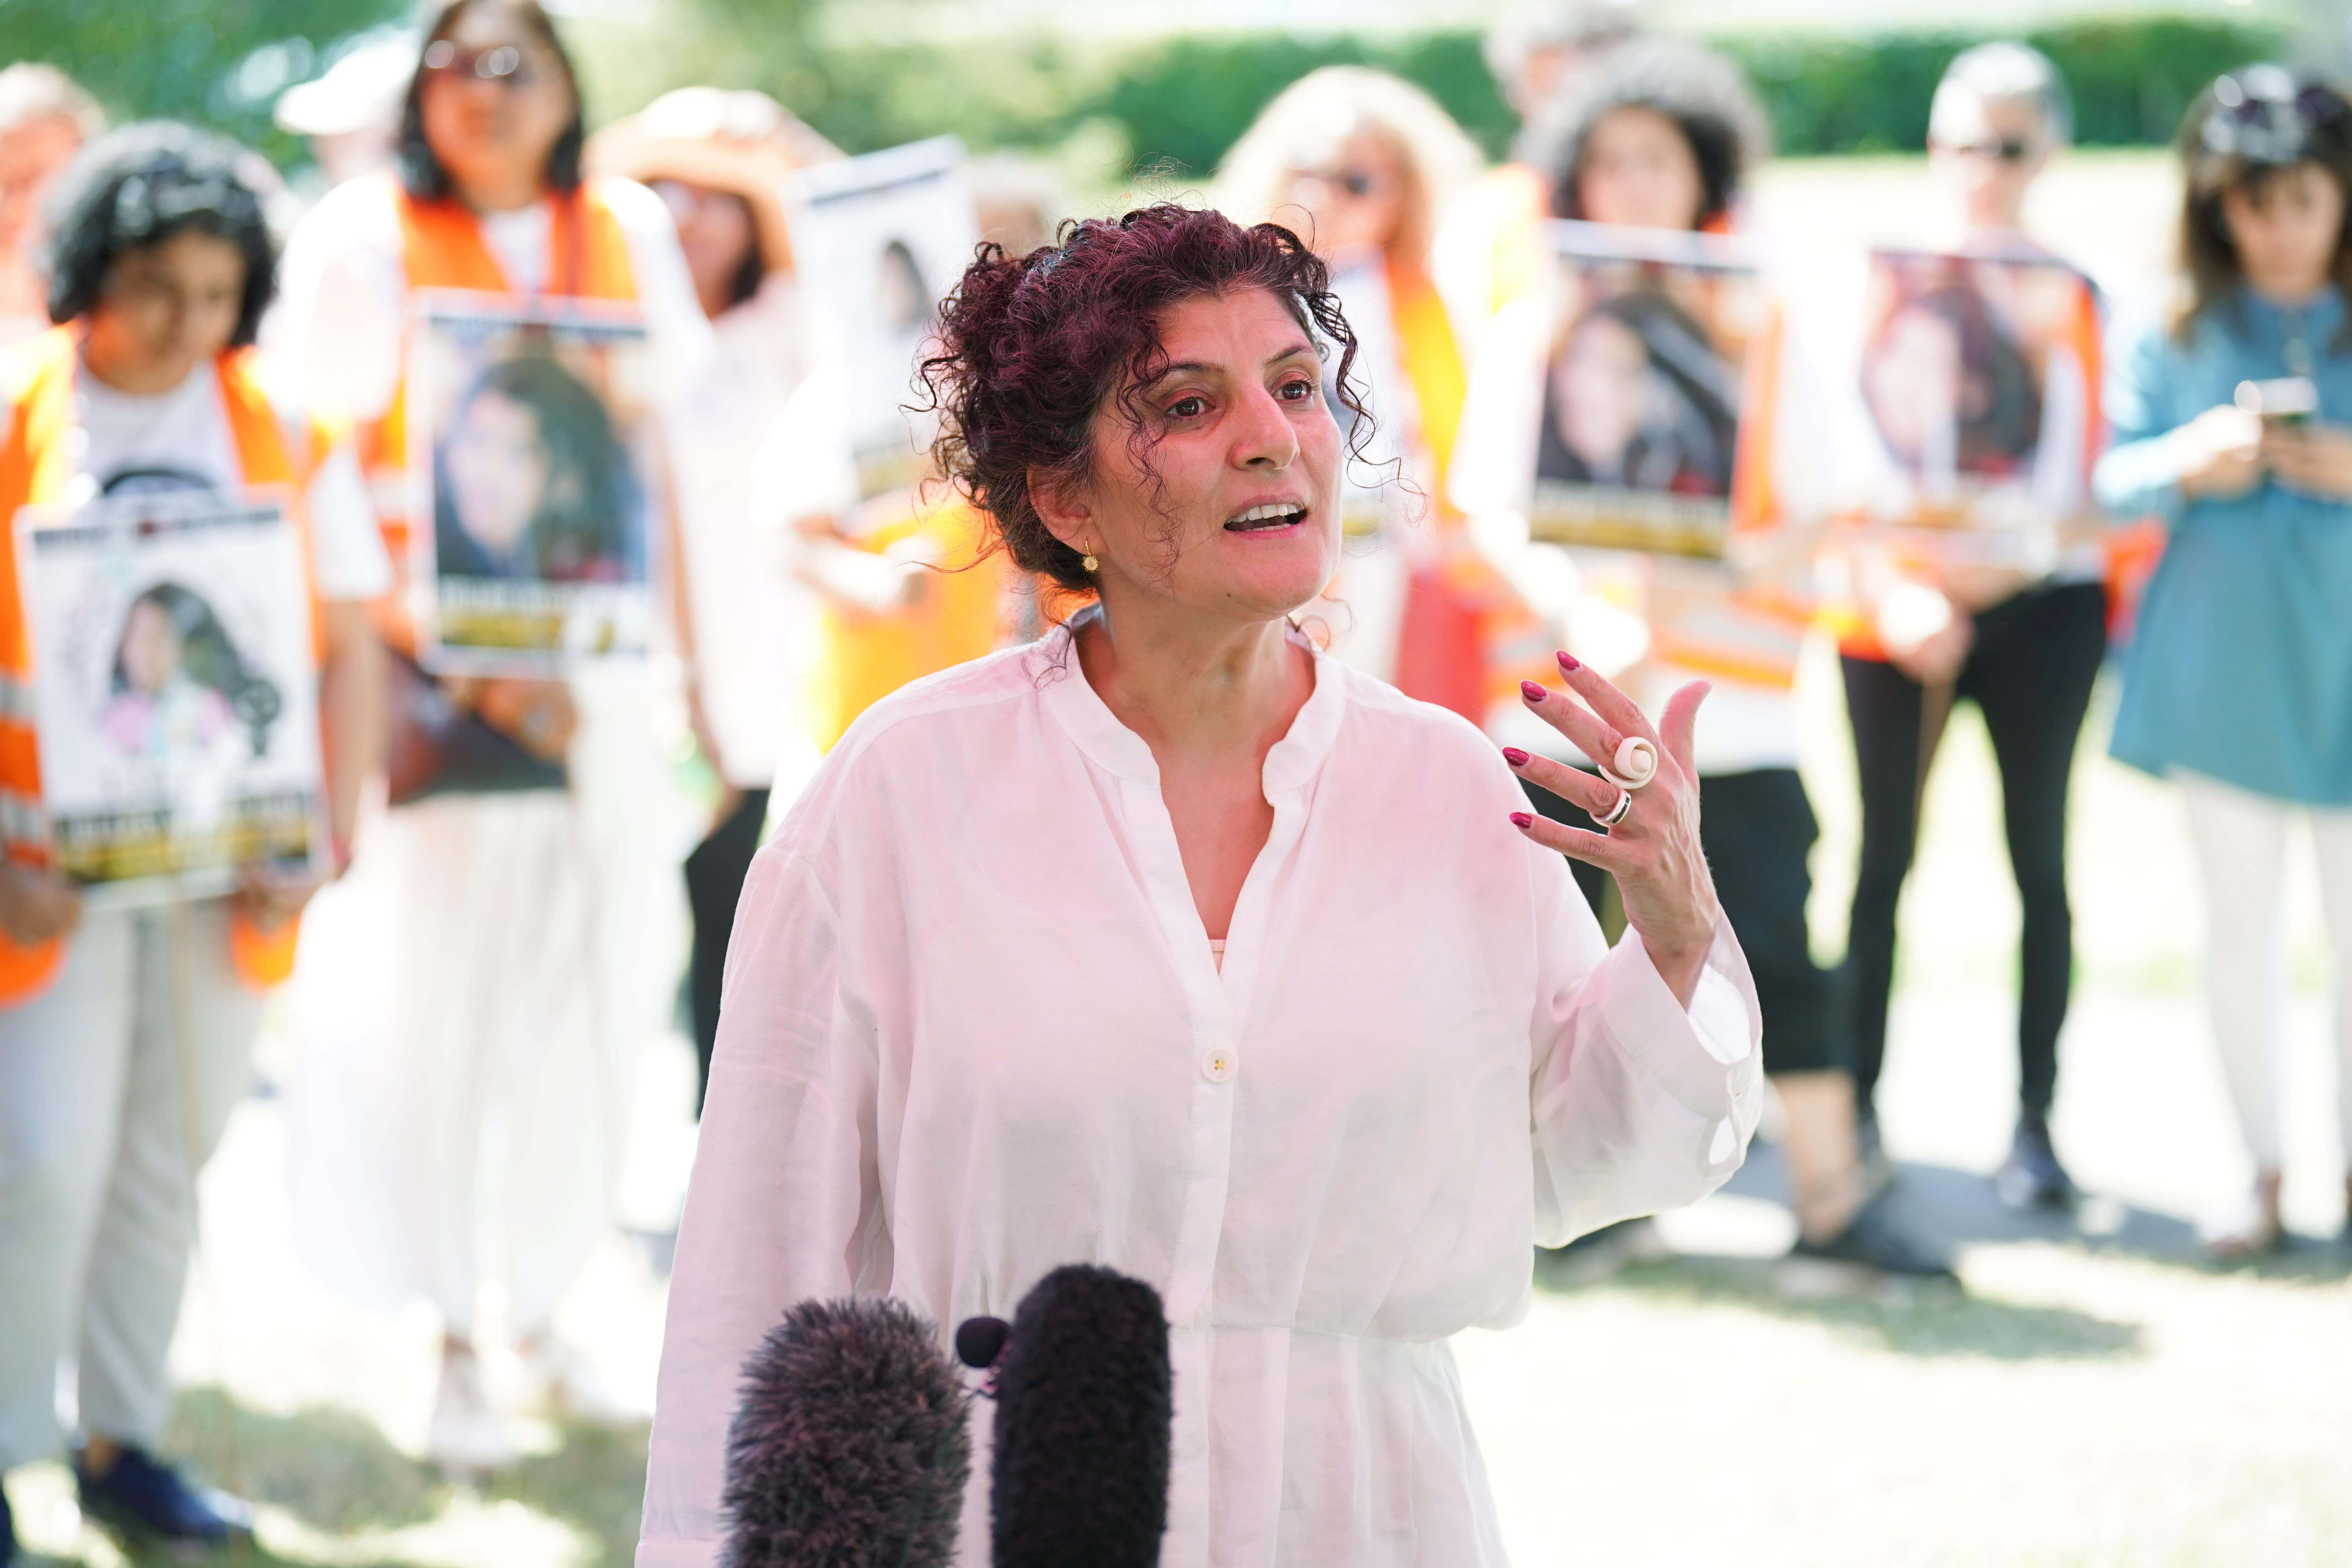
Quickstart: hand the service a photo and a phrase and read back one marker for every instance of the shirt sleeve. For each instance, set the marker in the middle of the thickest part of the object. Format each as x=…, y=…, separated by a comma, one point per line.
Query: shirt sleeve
x=332, y=338
x=2140, y=473
x=1640, y=1104
x=680, y=333
x=347, y=555
x=785, y=1200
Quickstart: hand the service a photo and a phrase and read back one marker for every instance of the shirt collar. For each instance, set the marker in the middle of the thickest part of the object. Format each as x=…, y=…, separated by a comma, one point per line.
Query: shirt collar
x=1291, y=765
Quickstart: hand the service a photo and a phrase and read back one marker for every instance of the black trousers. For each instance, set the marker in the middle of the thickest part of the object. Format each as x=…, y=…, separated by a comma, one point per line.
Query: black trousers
x=2029, y=673
x=714, y=882
x=1757, y=829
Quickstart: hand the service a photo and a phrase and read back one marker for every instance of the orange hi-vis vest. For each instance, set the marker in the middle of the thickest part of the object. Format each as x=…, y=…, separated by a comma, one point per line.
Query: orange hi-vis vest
x=442, y=247
x=1753, y=632
x=36, y=463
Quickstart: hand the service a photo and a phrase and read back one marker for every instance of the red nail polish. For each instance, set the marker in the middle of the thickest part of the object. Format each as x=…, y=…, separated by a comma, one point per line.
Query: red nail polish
x=1567, y=659
x=1522, y=819
x=1531, y=691
x=1516, y=757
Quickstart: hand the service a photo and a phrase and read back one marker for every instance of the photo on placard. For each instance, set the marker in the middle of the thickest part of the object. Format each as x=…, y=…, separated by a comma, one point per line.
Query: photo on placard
x=529, y=429
x=175, y=690
x=1641, y=401
x=1976, y=377
x=876, y=242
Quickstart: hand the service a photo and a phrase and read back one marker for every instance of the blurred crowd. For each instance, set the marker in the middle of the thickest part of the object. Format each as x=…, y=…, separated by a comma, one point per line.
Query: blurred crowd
x=529, y=876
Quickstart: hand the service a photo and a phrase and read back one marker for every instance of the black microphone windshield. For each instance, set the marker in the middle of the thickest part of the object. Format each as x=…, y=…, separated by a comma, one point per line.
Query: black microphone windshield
x=1082, y=1405
x=979, y=1341
x=848, y=1446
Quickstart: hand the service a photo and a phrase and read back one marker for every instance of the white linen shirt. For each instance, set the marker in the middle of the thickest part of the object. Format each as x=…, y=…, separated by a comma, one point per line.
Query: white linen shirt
x=973, y=1030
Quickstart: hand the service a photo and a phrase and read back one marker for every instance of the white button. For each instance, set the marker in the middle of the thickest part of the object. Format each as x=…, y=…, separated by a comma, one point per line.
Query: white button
x=1218, y=1065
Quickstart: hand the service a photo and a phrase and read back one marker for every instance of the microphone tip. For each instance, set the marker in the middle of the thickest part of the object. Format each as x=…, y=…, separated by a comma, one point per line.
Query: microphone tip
x=979, y=1341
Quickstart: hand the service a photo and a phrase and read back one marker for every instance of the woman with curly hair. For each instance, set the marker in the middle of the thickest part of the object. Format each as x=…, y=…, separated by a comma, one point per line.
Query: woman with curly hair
x=126, y=1034
x=1307, y=1028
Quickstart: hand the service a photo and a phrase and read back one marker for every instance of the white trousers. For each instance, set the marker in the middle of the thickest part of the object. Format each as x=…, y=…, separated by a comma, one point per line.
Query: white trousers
x=2240, y=839
x=471, y=1000
x=115, y=1084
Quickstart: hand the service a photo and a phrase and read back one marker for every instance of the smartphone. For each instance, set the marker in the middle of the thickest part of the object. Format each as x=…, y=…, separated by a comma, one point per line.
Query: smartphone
x=2287, y=400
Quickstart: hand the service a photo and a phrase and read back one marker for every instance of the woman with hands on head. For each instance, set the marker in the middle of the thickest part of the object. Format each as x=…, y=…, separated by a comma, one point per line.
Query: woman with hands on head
x=2238, y=683
x=1302, y=1007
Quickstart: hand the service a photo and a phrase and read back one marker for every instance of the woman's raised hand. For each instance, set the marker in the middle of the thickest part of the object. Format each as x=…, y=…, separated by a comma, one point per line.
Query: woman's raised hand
x=1654, y=850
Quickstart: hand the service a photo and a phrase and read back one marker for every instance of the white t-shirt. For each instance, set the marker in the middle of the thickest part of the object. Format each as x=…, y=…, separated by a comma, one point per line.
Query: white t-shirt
x=184, y=435
x=334, y=337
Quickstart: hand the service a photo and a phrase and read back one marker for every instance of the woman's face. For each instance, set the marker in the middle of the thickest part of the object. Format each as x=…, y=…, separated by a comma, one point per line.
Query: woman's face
x=1601, y=388
x=1357, y=204
x=2286, y=229
x=1638, y=169
x=494, y=132
x=1237, y=516
x=1914, y=380
x=150, y=648
x=714, y=229
x=166, y=309
x=497, y=469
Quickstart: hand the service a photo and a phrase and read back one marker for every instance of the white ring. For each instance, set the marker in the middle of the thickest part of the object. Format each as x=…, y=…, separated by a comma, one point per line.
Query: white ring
x=1617, y=813
x=1636, y=763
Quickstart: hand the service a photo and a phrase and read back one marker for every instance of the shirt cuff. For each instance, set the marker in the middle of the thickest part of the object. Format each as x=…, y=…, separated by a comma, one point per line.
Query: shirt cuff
x=1721, y=1077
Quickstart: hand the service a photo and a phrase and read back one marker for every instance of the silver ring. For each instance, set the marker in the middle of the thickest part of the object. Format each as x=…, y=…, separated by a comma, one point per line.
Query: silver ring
x=1635, y=763
x=1616, y=814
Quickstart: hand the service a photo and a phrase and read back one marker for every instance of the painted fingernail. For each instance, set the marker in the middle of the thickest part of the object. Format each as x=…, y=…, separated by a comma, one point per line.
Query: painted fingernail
x=1522, y=819
x=1567, y=661
x=1516, y=757
x=1531, y=691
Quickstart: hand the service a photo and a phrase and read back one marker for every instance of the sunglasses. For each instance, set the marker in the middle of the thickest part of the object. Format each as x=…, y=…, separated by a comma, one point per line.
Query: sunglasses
x=2004, y=149
x=1356, y=182
x=2265, y=115
x=503, y=63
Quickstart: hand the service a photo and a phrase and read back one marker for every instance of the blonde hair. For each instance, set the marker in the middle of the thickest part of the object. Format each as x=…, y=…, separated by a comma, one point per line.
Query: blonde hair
x=1304, y=129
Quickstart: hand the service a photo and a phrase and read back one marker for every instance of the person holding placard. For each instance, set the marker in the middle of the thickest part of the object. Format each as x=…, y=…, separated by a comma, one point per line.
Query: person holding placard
x=2233, y=422
x=1363, y=165
x=126, y=1032
x=904, y=579
x=1978, y=416
x=718, y=160
x=1636, y=397
x=508, y=947
x=1171, y=943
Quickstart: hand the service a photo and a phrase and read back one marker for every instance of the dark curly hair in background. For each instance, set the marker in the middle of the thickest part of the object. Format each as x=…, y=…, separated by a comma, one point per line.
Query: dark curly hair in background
x=1700, y=90
x=140, y=186
x=1032, y=348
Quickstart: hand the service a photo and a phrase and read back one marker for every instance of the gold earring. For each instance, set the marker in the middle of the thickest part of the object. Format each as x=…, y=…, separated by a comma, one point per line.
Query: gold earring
x=1089, y=563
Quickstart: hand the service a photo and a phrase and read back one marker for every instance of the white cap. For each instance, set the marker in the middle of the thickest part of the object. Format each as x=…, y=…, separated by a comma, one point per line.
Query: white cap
x=361, y=92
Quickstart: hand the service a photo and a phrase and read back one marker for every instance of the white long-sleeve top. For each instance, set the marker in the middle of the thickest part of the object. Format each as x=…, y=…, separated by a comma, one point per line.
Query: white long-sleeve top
x=973, y=1030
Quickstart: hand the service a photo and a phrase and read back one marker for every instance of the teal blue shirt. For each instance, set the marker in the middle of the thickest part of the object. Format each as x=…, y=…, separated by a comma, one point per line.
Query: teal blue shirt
x=2241, y=664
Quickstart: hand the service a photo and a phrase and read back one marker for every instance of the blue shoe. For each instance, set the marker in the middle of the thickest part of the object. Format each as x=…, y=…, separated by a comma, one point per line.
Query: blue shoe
x=142, y=1497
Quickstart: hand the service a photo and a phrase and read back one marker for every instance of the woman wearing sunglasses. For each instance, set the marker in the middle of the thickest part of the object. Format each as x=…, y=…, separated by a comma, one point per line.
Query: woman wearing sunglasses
x=2233, y=422
x=517, y=966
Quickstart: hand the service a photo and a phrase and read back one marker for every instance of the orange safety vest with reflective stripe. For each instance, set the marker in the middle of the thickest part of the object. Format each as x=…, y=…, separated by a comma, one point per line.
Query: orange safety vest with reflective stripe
x=442, y=247
x=37, y=463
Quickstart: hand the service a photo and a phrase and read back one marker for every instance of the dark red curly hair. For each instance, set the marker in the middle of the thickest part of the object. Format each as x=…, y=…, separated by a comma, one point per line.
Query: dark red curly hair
x=1031, y=349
